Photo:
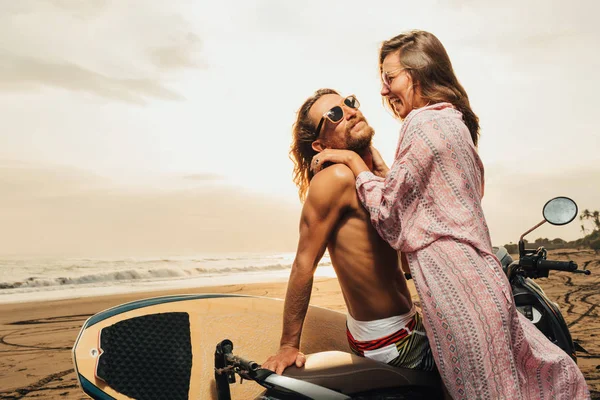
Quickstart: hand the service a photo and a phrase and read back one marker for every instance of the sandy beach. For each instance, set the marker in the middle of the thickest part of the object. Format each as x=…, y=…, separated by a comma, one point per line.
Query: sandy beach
x=36, y=338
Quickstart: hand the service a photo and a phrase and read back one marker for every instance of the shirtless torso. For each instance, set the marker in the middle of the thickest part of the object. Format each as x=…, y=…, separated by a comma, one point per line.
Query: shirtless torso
x=367, y=268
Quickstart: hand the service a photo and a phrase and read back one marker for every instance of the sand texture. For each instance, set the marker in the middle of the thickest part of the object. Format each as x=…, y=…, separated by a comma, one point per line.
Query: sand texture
x=36, y=338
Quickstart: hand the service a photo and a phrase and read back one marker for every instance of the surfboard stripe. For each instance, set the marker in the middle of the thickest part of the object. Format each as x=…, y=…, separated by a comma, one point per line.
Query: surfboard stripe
x=149, y=302
x=92, y=390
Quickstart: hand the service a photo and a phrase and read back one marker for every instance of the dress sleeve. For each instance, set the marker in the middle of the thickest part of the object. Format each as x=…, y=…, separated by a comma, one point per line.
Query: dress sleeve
x=381, y=197
x=389, y=199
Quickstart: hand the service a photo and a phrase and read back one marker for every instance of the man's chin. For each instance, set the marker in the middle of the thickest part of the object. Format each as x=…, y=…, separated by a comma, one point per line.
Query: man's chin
x=362, y=142
x=359, y=146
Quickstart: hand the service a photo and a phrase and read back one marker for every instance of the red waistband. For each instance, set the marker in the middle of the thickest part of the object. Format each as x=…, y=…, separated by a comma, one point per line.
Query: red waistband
x=381, y=342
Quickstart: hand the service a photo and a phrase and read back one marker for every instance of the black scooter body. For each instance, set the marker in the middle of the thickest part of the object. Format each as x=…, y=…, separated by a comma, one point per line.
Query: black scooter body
x=533, y=303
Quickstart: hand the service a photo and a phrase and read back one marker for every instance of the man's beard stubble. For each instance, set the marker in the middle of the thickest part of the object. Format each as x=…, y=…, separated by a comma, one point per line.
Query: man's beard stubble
x=362, y=142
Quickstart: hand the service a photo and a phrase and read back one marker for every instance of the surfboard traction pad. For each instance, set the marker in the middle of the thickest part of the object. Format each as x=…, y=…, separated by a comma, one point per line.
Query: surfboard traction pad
x=148, y=357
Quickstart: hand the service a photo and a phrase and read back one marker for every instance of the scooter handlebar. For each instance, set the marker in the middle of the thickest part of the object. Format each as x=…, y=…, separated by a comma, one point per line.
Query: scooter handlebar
x=557, y=265
x=244, y=364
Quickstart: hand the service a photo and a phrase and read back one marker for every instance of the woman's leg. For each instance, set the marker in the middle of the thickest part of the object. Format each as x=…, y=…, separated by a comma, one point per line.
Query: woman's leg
x=483, y=347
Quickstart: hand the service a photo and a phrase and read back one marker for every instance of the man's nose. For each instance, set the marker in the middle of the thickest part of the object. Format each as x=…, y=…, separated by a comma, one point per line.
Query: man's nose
x=350, y=112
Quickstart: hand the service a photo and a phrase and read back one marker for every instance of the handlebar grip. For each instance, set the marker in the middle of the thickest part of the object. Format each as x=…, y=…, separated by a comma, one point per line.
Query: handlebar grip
x=557, y=265
x=246, y=364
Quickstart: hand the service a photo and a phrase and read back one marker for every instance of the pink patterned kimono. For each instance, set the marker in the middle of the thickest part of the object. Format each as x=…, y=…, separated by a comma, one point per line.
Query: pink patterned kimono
x=429, y=207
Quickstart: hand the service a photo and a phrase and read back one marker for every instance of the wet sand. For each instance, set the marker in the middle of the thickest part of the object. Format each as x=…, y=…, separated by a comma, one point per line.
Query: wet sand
x=36, y=338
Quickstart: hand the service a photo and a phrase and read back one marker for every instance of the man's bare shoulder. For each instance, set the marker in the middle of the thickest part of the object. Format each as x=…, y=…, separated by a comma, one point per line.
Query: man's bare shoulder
x=338, y=175
x=331, y=183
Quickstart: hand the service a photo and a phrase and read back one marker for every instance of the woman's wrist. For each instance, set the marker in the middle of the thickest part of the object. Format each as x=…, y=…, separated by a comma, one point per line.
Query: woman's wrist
x=357, y=164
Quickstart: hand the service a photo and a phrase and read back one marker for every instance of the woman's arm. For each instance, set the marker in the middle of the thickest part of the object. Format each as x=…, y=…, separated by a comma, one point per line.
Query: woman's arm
x=348, y=157
x=380, y=168
x=381, y=197
x=387, y=199
x=352, y=160
x=378, y=195
x=405, y=182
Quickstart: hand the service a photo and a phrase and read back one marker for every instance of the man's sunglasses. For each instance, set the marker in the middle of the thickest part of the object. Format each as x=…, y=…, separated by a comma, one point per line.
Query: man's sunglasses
x=336, y=114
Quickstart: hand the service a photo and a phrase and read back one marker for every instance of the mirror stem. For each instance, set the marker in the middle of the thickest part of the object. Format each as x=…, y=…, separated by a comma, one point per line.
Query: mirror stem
x=532, y=229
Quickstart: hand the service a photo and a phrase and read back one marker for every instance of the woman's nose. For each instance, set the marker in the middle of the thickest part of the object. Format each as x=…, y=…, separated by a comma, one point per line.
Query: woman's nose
x=385, y=90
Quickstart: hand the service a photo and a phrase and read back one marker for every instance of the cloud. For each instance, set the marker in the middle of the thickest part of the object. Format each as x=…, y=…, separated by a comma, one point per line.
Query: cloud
x=178, y=54
x=204, y=177
x=22, y=181
x=54, y=210
x=537, y=25
x=106, y=48
x=17, y=73
x=81, y=9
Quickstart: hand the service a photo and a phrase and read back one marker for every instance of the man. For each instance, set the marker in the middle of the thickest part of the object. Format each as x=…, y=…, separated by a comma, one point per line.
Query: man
x=382, y=322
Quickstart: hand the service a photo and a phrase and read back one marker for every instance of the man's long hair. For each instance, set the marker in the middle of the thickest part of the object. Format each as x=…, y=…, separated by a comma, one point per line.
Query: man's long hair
x=426, y=60
x=303, y=136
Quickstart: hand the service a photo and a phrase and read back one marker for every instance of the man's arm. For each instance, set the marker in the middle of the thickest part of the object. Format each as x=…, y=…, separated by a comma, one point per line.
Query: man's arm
x=329, y=196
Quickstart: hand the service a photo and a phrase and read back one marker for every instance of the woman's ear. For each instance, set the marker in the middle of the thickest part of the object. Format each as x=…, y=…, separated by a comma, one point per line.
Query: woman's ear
x=317, y=146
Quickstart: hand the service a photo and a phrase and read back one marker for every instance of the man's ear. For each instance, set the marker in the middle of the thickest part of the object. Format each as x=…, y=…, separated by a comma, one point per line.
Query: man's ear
x=317, y=146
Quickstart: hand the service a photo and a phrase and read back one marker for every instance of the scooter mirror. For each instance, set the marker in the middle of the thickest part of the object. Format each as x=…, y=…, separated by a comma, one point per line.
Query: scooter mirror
x=560, y=211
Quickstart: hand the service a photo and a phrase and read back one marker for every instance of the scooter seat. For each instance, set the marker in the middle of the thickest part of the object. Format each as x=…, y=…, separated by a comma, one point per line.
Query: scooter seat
x=502, y=255
x=351, y=374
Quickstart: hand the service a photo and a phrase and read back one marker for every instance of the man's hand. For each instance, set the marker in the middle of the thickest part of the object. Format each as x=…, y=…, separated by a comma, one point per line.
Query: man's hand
x=285, y=357
x=379, y=167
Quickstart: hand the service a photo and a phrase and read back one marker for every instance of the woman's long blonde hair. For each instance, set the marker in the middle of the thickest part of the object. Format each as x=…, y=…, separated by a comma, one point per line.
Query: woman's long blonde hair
x=425, y=59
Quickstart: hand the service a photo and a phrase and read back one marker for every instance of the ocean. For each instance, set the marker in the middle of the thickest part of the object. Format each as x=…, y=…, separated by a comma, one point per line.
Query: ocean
x=24, y=279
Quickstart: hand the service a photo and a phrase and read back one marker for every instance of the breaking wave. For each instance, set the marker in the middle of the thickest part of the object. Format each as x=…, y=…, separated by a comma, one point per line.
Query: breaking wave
x=137, y=275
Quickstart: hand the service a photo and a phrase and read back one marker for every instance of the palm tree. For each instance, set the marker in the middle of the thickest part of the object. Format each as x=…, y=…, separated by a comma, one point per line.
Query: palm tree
x=586, y=214
x=596, y=217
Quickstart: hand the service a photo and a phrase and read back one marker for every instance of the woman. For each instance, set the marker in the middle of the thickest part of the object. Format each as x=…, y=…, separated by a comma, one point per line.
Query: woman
x=428, y=205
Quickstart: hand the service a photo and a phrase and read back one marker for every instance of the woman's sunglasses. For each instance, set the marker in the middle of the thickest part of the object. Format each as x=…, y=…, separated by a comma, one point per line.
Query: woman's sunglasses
x=336, y=114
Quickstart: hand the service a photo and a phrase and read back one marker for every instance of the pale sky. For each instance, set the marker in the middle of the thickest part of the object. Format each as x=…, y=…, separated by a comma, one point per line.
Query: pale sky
x=137, y=127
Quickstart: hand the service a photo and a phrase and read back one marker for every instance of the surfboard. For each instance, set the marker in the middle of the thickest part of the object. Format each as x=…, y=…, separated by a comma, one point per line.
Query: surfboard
x=163, y=347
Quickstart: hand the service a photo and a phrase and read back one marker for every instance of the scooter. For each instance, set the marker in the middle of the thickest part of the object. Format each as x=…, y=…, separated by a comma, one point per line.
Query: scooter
x=530, y=299
x=336, y=375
